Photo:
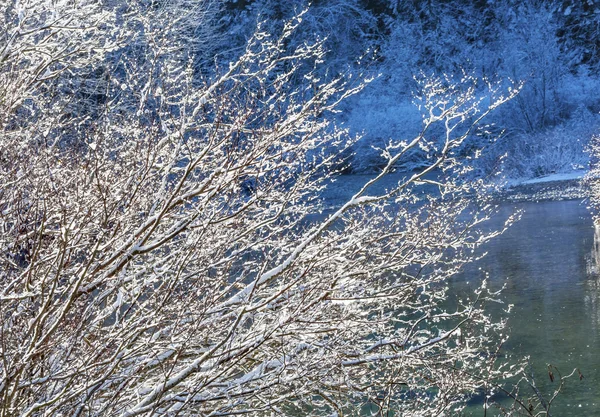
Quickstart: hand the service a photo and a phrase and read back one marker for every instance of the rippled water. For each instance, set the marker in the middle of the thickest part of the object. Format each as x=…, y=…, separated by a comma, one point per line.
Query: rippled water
x=548, y=261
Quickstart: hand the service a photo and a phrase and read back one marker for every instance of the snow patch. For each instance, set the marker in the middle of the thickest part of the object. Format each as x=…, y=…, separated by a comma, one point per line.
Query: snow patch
x=565, y=176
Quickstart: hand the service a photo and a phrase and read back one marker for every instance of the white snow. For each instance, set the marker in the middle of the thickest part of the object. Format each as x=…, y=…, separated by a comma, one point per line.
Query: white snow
x=565, y=176
x=562, y=176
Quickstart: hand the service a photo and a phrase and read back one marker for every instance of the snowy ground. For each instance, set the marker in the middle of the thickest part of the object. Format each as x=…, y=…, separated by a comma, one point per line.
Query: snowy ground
x=567, y=176
x=561, y=186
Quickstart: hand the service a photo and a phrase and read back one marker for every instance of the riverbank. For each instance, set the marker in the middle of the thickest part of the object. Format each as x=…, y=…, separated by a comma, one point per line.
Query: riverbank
x=554, y=187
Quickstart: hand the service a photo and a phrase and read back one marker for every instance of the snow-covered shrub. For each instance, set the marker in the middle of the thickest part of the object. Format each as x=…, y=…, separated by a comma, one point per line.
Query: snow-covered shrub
x=177, y=261
x=593, y=181
x=380, y=115
x=561, y=148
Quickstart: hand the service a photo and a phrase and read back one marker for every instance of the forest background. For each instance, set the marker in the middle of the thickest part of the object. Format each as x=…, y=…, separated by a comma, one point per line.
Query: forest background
x=551, y=48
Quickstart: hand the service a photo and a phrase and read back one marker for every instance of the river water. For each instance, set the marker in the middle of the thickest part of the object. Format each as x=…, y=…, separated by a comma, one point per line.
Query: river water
x=548, y=262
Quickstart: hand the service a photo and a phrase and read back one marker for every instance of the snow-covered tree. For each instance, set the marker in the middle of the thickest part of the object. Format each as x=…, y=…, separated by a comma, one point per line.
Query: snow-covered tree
x=594, y=174
x=165, y=251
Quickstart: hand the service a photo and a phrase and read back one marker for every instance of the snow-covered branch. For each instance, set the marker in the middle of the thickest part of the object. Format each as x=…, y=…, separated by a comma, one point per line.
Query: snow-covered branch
x=164, y=248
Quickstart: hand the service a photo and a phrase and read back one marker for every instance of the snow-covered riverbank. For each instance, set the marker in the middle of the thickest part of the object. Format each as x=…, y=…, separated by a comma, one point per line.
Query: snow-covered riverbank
x=562, y=186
